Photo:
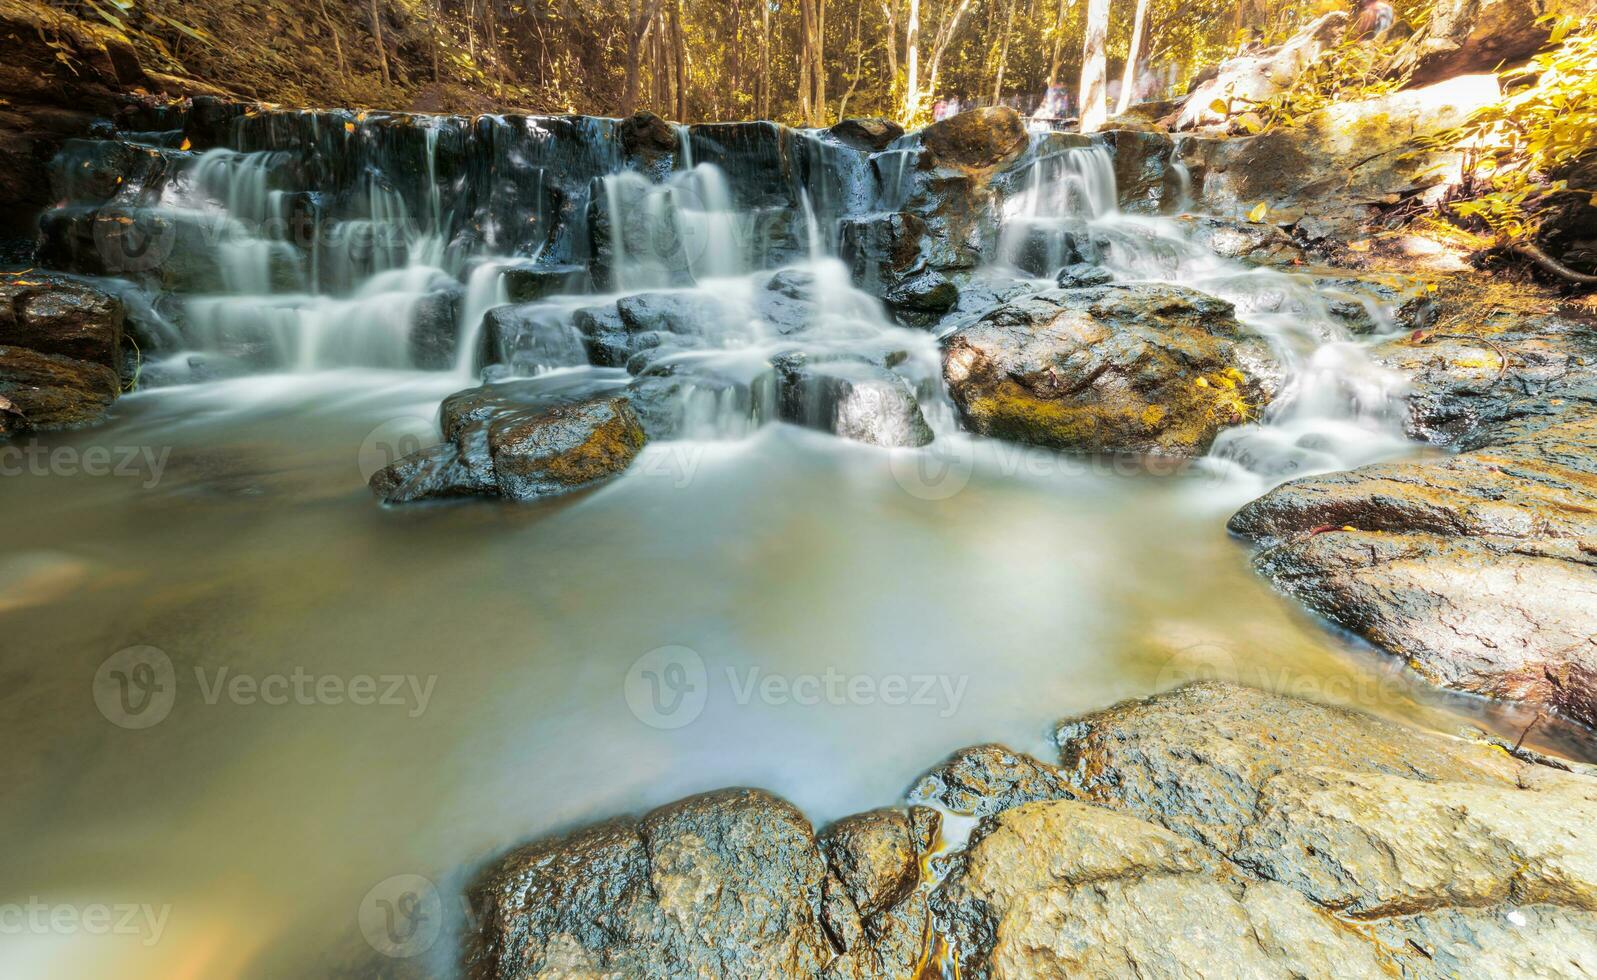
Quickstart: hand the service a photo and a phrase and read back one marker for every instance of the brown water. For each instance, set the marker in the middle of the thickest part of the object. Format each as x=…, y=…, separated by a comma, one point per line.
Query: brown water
x=238, y=838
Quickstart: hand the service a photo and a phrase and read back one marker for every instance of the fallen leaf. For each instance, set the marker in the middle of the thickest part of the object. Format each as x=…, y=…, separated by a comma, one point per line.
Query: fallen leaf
x=185, y=145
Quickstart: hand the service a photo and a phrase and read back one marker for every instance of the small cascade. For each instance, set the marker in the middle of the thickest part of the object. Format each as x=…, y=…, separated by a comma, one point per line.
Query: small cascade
x=1337, y=408
x=485, y=289
x=1063, y=189
x=679, y=232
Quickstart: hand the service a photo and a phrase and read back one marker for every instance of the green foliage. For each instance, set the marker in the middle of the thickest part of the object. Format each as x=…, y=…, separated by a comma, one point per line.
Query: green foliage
x=1516, y=147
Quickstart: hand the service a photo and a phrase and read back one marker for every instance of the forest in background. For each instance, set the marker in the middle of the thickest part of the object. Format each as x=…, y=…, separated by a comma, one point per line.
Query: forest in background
x=803, y=62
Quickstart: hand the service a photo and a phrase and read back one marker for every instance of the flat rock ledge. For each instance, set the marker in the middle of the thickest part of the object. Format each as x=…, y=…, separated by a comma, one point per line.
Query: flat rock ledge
x=1478, y=569
x=1215, y=830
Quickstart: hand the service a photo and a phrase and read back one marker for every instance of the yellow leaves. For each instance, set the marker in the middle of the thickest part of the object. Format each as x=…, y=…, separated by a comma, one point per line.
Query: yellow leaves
x=1202, y=382
x=349, y=127
x=1220, y=107
x=1259, y=212
x=185, y=145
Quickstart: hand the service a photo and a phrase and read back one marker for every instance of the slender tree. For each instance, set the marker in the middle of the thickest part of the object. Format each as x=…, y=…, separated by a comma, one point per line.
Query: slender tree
x=382, y=46
x=1128, y=80
x=911, y=106
x=1095, y=67
x=641, y=18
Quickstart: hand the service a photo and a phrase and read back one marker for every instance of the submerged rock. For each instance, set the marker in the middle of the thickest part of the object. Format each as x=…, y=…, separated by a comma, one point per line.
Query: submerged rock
x=850, y=397
x=1127, y=368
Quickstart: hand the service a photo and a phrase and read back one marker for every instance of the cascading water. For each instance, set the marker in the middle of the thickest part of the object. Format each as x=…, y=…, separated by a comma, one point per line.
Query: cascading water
x=1028, y=585
x=1337, y=408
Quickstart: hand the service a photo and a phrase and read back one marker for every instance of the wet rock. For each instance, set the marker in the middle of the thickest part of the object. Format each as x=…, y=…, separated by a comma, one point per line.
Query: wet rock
x=1143, y=175
x=1080, y=275
x=564, y=449
x=1253, y=241
x=980, y=139
x=533, y=336
x=1362, y=303
x=525, y=284
x=1477, y=570
x=1068, y=889
x=1130, y=368
x=852, y=398
x=1402, y=853
x=868, y=135
x=1467, y=382
x=434, y=330
x=987, y=779
x=176, y=251
x=724, y=884
x=649, y=140
x=52, y=314
x=675, y=401
x=876, y=857
x=905, y=261
x=46, y=391
x=1466, y=36
x=616, y=333
x=519, y=440
x=1194, y=760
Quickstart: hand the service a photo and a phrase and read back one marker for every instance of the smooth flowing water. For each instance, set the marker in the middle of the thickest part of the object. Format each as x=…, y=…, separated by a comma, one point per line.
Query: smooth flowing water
x=341, y=693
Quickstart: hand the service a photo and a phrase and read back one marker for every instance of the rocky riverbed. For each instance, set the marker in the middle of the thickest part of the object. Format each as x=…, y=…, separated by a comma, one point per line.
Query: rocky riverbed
x=1187, y=300
x=1210, y=831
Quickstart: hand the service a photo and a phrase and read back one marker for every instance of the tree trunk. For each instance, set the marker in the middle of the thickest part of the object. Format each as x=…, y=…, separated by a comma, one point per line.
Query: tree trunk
x=338, y=46
x=945, y=33
x=680, y=57
x=818, y=70
x=911, y=107
x=1128, y=81
x=1003, y=51
x=382, y=46
x=765, y=59
x=1095, y=68
x=1059, y=37
x=637, y=32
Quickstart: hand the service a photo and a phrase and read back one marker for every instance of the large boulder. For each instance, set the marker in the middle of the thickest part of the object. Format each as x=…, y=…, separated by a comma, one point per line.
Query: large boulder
x=1464, y=36
x=1477, y=570
x=870, y=135
x=60, y=351
x=56, y=315
x=730, y=883
x=45, y=391
x=1466, y=382
x=520, y=440
x=1144, y=368
x=978, y=140
x=1212, y=831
